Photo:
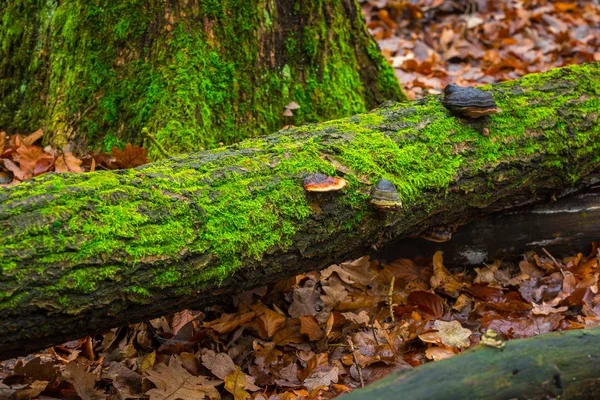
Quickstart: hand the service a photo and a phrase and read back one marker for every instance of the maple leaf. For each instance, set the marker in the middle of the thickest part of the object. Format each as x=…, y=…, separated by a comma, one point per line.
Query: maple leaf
x=175, y=382
x=130, y=156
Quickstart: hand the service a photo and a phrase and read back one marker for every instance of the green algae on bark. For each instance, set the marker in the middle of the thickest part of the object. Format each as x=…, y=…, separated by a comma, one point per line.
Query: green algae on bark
x=172, y=233
x=195, y=73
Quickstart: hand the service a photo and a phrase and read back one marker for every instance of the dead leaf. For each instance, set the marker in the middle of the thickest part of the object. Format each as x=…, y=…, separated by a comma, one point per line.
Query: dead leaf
x=321, y=378
x=310, y=326
x=84, y=382
x=267, y=322
x=235, y=383
x=453, y=334
x=438, y=353
x=174, y=382
x=67, y=162
x=429, y=303
x=130, y=156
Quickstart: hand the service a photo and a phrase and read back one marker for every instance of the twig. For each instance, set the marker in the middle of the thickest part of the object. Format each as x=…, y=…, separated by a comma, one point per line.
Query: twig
x=391, y=298
x=151, y=137
x=554, y=260
x=358, y=368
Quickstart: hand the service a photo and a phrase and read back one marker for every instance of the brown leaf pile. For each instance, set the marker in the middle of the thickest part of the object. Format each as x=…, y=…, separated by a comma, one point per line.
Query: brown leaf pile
x=21, y=159
x=318, y=334
x=431, y=43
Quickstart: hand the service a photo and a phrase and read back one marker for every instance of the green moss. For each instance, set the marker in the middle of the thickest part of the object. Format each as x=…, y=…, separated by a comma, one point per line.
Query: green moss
x=86, y=280
x=197, y=76
x=219, y=211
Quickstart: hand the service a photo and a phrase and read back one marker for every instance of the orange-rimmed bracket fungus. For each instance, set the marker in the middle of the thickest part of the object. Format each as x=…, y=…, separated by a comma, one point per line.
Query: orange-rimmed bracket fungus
x=322, y=183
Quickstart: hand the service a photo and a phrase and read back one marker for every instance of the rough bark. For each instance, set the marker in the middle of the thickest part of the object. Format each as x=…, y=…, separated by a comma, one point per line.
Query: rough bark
x=556, y=365
x=84, y=252
x=195, y=73
x=563, y=228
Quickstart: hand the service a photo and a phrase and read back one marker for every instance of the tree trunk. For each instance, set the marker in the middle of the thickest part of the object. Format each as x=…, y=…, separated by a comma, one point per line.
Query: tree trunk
x=195, y=73
x=563, y=227
x=557, y=365
x=83, y=252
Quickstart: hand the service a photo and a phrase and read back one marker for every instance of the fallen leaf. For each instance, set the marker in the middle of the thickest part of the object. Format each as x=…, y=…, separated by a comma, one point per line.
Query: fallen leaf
x=235, y=383
x=310, y=326
x=321, y=378
x=84, y=382
x=174, y=382
x=453, y=334
x=438, y=353
x=426, y=302
x=130, y=156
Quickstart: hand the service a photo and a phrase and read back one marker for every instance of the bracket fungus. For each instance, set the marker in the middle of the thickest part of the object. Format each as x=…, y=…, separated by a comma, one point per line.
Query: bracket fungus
x=468, y=102
x=322, y=183
x=384, y=196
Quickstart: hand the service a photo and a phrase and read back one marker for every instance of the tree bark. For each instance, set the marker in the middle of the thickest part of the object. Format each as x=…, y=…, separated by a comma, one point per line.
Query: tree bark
x=551, y=366
x=84, y=252
x=195, y=73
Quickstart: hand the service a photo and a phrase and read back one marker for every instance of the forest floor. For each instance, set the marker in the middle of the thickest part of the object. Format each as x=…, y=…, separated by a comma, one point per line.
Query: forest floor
x=321, y=334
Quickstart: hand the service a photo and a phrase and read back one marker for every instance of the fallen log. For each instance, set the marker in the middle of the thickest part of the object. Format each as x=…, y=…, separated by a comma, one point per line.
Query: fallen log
x=86, y=252
x=563, y=227
x=555, y=365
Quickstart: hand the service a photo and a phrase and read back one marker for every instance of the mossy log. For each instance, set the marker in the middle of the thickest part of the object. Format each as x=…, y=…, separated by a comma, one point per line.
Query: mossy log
x=85, y=252
x=195, y=73
x=557, y=365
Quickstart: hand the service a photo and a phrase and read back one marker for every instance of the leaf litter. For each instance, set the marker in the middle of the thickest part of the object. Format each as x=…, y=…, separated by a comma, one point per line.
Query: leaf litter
x=269, y=348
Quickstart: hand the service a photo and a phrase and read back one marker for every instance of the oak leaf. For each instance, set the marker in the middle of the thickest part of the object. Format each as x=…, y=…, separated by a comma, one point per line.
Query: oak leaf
x=453, y=334
x=174, y=382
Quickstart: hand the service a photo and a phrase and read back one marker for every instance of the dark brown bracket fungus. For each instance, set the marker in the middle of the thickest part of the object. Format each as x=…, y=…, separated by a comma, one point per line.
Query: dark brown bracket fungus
x=322, y=183
x=468, y=102
x=385, y=196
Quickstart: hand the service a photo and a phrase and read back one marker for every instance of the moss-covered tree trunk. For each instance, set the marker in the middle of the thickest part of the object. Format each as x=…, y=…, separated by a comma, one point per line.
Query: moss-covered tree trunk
x=81, y=252
x=557, y=365
x=195, y=72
